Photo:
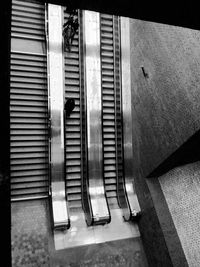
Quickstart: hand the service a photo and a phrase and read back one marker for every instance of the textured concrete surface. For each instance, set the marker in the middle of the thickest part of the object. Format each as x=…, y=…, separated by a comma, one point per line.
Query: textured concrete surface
x=181, y=187
x=122, y=253
x=33, y=245
x=165, y=102
x=165, y=228
x=30, y=234
x=186, y=154
x=165, y=69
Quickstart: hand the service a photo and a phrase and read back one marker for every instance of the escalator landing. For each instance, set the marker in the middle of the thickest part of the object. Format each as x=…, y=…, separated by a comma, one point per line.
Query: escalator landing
x=79, y=234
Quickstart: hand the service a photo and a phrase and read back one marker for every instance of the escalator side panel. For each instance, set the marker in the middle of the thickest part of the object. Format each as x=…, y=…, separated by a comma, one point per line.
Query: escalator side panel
x=130, y=198
x=56, y=104
x=96, y=188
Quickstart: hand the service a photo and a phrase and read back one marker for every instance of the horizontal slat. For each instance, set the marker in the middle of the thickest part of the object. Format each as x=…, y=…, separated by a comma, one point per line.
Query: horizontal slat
x=25, y=24
x=70, y=129
x=15, y=163
x=71, y=82
x=29, y=155
x=107, y=61
x=23, y=150
x=73, y=149
x=25, y=192
x=73, y=142
x=28, y=120
x=32, y=93
x=106, y=22
x=106, y=17
x=25, y=20
x=107, y=35
x=73, y=168
x=30, y=173
x=111, y=188
x=27, y=30
x=37, y=73
x=109, y=168
x=28, y=108
x=31, y=167
x=28, y=86
x=106, y=72
x=30, y=131
x=74, y=57
x=32, y=143
x=31, y=9
x=73, y=198
x=16, y=12
x=74, y=189
x=69, y=136
x=108, y=86
x=23, y=67
x=32, y=4
x=110, y=142
x=72, y=176
x=28, y=79
x=74, y=183
x=23, y=56
x=19, y=97
x=106, y=47
x=28, y=105
x=20, y=114
x=31, y=37
x=27, y=179
x=108, y=104
x=34, y=9
x=73, y=163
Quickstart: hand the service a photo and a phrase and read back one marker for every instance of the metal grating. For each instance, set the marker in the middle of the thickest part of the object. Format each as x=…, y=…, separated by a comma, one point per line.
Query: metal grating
x=108, y=102
x=72, y=126
x=28, y=106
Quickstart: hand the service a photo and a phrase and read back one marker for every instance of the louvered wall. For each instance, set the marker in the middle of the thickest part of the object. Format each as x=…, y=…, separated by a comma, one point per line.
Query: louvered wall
x=108, y=101
x=28, y=102
x=73, y=131
x=28, y=20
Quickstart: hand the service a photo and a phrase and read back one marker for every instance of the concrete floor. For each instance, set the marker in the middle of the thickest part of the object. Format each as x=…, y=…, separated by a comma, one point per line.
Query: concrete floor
x=33, y=243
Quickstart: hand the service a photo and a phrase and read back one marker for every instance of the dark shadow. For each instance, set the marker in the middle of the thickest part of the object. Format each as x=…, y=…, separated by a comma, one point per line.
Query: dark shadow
x=184, y=15
x=5, y=222
x=69, y=106
x=187, y=153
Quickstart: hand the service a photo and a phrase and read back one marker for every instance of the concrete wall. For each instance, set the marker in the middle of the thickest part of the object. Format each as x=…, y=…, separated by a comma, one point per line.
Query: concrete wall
x=165, y=69
x=166, y=103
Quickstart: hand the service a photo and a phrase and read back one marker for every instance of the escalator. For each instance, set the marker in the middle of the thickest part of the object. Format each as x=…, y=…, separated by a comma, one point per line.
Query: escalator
x=87, y=190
